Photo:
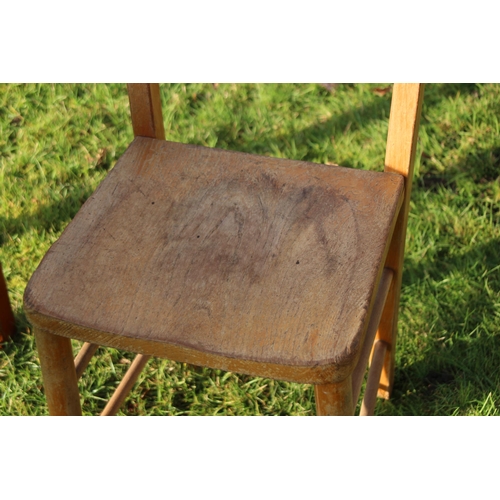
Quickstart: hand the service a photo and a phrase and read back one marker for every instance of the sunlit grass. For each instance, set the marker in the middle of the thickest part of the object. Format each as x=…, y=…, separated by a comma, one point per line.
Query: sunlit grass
x=57, y=142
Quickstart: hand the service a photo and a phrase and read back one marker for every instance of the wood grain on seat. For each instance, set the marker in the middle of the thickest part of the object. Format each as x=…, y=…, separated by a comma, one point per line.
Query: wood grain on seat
x=247, y=263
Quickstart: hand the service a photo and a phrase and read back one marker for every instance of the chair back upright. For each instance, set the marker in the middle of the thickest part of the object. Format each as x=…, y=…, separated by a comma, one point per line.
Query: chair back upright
x=404, y=120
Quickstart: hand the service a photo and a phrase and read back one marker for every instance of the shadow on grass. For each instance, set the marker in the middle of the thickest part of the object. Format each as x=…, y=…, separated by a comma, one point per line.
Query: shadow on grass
x=357, y=117
x=354, y=118
x=50, y=217
x=462, y=355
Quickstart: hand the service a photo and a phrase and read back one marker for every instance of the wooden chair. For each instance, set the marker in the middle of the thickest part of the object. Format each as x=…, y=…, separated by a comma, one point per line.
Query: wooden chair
x=7, y=324
x=269, y=267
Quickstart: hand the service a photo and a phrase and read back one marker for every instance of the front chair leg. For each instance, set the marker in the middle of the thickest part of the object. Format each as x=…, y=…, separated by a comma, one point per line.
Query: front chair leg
x=334, y=399
x=59, y=374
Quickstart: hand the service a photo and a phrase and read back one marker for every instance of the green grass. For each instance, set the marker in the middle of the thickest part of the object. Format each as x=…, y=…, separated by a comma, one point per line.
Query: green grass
x=57, y=143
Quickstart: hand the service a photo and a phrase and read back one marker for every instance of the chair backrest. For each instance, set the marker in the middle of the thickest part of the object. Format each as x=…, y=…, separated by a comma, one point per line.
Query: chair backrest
x=407, y=98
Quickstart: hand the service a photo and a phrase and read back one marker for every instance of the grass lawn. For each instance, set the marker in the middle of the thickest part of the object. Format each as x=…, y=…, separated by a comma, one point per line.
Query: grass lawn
x=57, y=142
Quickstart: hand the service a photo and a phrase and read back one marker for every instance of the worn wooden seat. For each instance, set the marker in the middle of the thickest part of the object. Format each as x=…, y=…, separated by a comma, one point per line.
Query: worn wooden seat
x=252, y=264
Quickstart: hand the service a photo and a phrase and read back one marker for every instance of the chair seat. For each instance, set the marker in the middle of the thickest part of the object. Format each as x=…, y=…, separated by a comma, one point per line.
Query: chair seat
x=235, y=261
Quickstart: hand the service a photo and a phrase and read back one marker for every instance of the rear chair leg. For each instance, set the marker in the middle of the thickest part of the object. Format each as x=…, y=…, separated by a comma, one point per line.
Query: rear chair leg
x=334, y=399
x=59, y=375
x=372, y=384
x=387, y=332
x=7, y=323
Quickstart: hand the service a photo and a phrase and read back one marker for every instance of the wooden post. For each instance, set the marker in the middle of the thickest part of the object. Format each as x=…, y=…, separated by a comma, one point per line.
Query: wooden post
x=145, y=108
x=59, y=375
x=400, y=158
x=7, y=324
x=334, y=399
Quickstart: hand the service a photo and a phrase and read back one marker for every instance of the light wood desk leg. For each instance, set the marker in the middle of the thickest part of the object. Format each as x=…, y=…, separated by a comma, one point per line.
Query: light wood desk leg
x=59, y=375
x=334, y=399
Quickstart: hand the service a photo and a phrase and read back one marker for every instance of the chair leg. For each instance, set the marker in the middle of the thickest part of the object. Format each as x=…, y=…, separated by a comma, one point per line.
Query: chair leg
x=387, y=332
x=334, y=399
x=59, y=374
x=388, y=325
x=7, y=324
x=372, y=384
x=404, y=121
